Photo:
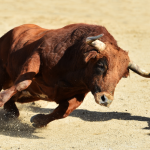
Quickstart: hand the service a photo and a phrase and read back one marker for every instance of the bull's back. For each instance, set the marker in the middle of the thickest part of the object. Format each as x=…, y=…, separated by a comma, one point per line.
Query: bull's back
x=19, y=37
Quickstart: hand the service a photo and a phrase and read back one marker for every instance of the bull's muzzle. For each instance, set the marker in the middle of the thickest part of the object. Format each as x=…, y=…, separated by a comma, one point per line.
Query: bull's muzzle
x=103, y=98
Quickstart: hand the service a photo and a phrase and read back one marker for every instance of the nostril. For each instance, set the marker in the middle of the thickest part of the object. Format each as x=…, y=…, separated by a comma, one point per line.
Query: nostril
x=103, y=98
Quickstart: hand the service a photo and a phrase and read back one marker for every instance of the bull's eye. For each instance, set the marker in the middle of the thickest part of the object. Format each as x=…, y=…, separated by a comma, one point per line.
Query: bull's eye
x=101, y=66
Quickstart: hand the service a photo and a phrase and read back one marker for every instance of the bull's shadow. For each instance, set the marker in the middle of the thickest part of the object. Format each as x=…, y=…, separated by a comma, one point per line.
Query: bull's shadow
x=105, y=116
x=94, y=116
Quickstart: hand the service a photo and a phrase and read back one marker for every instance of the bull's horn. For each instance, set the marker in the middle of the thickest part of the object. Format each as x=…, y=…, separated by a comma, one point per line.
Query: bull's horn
x=135, y=68
x=93, y=41
x=90, y=39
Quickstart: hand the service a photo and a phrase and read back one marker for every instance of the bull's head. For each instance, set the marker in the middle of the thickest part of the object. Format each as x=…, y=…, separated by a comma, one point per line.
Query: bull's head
x=109, y=64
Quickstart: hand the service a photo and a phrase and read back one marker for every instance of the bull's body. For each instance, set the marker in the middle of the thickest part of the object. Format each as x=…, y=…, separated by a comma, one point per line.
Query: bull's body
x=29, y=41
x=56, y=65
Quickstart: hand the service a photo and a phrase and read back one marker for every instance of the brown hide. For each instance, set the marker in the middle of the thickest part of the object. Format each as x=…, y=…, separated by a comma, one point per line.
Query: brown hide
x=57, y=65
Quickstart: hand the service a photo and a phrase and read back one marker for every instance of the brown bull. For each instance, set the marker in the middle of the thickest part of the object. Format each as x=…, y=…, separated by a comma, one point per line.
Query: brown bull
x=60, y=65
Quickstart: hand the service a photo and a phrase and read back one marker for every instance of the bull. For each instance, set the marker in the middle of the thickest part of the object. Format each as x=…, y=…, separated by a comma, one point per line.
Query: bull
x=60, y=65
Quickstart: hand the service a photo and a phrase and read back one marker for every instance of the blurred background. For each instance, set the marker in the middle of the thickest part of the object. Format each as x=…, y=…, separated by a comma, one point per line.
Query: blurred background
x=123, y=126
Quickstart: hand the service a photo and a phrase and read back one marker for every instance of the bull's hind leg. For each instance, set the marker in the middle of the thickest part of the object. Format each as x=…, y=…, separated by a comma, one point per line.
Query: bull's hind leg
x=29, y=70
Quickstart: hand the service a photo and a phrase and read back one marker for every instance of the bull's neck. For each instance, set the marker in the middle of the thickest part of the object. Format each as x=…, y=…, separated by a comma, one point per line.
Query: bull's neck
x=74, y=80
x=70, y=86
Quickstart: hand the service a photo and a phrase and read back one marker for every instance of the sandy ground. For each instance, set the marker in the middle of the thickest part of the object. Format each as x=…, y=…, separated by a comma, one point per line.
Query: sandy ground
x=123, y=126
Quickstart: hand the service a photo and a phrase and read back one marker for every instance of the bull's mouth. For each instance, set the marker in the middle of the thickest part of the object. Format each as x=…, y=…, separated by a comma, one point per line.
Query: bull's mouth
x=103, y=98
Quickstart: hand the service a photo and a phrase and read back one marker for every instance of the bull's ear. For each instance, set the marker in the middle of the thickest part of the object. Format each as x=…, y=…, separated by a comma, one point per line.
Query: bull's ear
x=90, y=55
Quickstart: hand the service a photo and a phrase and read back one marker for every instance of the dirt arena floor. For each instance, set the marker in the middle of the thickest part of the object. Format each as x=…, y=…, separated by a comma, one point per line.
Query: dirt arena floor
x=123, y=126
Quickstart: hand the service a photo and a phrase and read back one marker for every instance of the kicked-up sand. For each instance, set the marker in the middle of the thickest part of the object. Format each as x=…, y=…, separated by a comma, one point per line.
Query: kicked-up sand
x=125, y=125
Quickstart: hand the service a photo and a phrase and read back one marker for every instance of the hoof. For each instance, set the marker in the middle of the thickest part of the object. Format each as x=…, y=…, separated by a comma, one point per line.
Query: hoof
x=39, y=121
x=11, y=115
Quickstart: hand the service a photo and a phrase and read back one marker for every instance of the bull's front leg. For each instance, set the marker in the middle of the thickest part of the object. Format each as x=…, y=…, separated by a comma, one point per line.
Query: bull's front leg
x=29, y=70
x=8, y=93
x=62, y=111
